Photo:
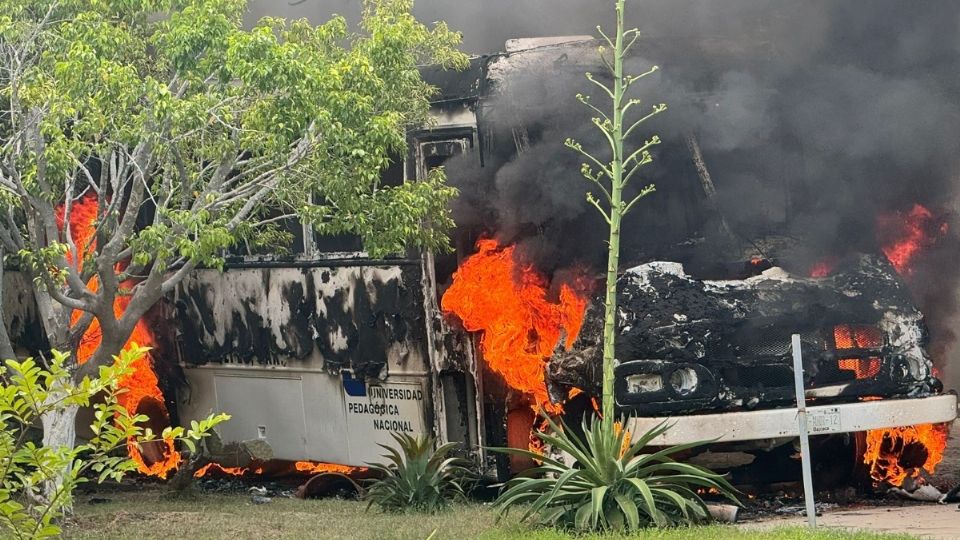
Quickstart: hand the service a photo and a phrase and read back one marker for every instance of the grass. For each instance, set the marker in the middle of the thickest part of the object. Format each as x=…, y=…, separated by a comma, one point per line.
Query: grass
x=146, y=515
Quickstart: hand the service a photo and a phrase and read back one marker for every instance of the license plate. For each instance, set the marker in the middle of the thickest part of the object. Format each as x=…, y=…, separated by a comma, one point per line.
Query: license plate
x=824, y=420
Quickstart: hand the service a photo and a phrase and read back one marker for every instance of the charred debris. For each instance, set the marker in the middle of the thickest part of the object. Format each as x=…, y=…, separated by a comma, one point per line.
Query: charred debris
x=728, y=341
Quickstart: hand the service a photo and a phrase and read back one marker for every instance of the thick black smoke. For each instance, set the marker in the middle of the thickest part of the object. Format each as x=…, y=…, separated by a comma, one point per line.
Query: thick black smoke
x=814, y=119
x=528, y=189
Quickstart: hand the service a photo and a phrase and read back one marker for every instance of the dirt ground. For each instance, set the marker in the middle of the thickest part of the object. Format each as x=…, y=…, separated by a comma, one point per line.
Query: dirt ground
x=925, y=520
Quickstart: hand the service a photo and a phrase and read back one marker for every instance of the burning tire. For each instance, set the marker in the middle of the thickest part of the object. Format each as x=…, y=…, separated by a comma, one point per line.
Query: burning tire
x=891, y=457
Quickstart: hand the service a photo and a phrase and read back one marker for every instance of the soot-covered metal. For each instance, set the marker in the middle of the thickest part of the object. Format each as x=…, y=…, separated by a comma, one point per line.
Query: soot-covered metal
x=348, y=316
x=687, y=345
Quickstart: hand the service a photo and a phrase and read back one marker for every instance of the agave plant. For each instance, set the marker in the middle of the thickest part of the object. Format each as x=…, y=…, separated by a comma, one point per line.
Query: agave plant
x=611, y=484
x=418, y=478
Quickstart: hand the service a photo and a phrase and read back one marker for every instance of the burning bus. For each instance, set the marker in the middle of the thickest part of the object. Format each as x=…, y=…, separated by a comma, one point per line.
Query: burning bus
x=320, y=354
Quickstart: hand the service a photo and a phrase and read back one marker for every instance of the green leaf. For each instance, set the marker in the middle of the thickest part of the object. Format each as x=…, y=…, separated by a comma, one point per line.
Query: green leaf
x=629, y=509
x=597, y=495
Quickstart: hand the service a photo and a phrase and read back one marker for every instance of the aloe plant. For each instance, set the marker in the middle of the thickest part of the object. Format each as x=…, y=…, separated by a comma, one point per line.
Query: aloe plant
x=611, y=484
x=418, y=478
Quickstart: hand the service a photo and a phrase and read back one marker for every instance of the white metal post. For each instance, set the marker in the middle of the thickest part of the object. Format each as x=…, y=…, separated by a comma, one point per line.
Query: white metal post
x=805, y=456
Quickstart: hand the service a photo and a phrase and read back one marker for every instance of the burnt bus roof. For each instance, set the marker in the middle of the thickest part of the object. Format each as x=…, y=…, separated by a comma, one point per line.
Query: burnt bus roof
x=453, y=85
x=470, y=84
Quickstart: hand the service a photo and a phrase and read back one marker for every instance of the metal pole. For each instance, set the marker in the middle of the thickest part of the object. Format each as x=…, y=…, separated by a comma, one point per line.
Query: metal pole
x=804, y=438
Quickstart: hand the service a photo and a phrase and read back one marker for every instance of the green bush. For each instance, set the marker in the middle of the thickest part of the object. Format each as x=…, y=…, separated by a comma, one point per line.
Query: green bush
x=37, y=482
x=418, y=478
x=611, y=484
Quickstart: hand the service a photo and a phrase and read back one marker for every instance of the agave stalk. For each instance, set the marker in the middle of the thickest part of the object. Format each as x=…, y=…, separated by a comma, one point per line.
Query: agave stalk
x=612, y=177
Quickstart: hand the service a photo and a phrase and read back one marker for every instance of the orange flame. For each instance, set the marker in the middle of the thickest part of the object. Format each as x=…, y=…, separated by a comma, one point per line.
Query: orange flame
x=311, y=467
x=279, y=469
x=904, y=235
x=141, y=387
x=520, y=326
x=895, y=454
x=823, y=268
x=862, y=368
x=857, y=336
x=210, y=468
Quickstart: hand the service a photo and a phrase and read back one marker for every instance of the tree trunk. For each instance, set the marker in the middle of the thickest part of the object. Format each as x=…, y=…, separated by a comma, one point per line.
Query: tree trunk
x=59, y=421
x=183, y=480
x=59, y=431
x=6, y=346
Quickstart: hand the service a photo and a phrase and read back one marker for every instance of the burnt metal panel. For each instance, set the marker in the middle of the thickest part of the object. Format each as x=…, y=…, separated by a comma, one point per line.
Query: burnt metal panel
x=343, y=316
x=455, y=85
